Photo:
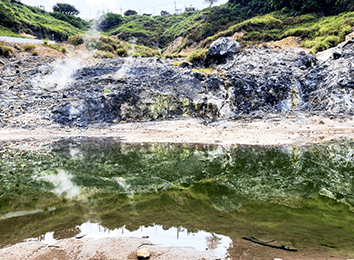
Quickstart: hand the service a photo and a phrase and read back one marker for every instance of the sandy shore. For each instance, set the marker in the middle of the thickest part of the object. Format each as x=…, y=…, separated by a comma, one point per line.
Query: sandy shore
x=288, y=131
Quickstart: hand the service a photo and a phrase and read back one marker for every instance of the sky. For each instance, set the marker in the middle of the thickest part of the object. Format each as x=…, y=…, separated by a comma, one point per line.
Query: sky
x=89, y=8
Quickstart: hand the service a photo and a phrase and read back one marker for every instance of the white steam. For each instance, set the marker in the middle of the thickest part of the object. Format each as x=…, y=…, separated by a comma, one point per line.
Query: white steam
x=61, y=75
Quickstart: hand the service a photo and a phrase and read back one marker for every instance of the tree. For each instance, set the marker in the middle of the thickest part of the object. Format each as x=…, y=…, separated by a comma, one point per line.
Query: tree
x=130, y=12
x=210, y=2
x=164, y=13
x=65, y=9
x=110, y=20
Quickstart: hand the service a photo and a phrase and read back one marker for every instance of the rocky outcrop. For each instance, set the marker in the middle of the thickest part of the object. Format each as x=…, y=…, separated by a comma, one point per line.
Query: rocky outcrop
x=255, y=81
x=329, y=87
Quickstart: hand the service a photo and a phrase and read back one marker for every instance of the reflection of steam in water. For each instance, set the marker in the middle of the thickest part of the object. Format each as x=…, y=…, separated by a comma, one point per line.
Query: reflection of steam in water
x=61, y=75
x=130, y=193
x=63, y=184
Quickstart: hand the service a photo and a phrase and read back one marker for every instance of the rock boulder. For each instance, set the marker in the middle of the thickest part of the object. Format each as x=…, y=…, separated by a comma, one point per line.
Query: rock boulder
x=220, y=50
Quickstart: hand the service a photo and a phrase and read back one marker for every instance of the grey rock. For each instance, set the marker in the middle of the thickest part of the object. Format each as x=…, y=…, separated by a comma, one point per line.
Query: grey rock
x=220, y=50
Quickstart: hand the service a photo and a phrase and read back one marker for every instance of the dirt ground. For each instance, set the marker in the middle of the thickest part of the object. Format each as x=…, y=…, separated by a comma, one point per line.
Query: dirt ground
x=288, y=131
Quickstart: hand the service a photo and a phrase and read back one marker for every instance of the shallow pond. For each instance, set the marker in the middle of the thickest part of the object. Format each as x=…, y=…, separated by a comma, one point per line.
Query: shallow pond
x=208, y=197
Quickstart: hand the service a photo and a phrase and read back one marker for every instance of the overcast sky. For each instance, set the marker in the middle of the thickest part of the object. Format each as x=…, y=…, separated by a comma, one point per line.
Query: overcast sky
x=89, y=8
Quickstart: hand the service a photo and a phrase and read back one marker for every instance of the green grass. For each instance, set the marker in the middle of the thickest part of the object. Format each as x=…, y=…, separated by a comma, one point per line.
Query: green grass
x=17, y=16
x=29, y=47
x=5, y=50
x=197, y=55
x=317, y=33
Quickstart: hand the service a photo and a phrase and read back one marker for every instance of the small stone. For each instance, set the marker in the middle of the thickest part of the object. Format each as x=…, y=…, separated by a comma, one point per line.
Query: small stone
x=143, y=253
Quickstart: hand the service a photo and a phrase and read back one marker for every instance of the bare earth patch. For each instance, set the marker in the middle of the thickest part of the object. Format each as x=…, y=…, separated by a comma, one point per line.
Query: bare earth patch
x=289, y=131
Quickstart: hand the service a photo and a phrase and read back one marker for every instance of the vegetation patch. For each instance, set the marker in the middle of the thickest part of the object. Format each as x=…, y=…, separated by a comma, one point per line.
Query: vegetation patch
x=197, y=55
x=317, y=32
x=5, y=50
x=29, y=47
x=16, y=16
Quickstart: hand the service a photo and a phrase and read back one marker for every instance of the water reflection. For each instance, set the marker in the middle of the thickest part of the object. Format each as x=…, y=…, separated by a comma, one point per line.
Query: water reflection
x=156, y=234
x=300, y=195
x=63, y=185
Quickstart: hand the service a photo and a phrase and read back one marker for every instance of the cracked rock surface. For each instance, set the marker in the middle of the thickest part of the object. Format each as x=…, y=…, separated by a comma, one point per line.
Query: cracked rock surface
x=42, y=91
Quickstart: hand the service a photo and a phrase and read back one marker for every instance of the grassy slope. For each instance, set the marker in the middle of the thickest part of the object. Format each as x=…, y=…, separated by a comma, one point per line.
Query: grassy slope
x=203, y=26
x=18, y=16
x=317, y=32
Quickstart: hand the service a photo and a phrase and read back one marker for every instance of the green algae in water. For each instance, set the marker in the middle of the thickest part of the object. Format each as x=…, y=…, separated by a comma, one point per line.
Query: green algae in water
x=302, y=196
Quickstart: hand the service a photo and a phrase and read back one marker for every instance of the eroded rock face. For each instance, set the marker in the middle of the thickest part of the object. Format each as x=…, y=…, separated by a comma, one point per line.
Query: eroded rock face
x=255, y=81
x=329, y=87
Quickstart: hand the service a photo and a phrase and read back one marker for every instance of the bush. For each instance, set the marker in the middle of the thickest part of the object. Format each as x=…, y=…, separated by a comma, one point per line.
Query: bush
x=7, y=51
x=107, y=47
x=76, y=39
x=45, y=42
x=135, y=54
x=103, y=55
x=35, y=53
x=63, y=50
x=197, y=55
x=122, y=52
x=29, y=47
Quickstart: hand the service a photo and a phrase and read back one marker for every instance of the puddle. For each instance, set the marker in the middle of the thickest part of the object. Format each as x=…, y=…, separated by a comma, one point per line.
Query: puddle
x=184, y=195
x=157, y=235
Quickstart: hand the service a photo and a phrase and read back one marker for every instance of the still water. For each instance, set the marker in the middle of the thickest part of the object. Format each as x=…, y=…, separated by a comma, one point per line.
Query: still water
x=207, y=197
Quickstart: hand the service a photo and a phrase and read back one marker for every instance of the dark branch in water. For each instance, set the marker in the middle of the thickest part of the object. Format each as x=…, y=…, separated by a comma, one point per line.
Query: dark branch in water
x=257, y=241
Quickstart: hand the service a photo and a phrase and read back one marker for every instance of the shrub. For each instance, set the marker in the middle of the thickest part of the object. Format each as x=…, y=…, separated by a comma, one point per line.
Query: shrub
x=197, y=55
x=107, y=47
x=103, y=55
x=29, y=47
x=35, y=53
x=135, y=54
x=76, y=39
x=156, y=53
x=45, y=42
x=7, y=51
x=122, y=52
x=63, y=50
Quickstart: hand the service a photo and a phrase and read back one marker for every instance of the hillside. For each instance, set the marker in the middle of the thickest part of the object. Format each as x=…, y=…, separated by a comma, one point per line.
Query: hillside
x=316, y=25
x=19, y=18
x=250, y=22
